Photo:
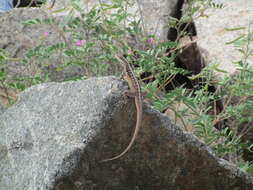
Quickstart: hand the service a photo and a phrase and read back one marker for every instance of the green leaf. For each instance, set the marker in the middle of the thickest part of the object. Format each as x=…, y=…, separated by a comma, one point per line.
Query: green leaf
x=235, y=29
x=32, y=21
x=235, y=40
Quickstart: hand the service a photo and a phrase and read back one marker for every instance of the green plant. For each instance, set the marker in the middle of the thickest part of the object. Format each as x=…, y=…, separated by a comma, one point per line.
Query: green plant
x=236, y=116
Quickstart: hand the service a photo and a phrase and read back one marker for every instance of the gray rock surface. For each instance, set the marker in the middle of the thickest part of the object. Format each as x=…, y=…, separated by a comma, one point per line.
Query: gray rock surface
x=56, y=134
x=213, y=36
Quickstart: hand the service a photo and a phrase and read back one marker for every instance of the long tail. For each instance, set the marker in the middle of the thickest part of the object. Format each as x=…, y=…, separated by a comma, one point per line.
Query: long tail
x=137, y=128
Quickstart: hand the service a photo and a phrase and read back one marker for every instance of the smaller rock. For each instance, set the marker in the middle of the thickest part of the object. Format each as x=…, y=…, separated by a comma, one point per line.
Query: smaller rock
x=214, y=37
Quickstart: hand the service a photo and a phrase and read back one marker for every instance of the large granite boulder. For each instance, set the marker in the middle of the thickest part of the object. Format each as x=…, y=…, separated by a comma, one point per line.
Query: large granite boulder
x=55, y=136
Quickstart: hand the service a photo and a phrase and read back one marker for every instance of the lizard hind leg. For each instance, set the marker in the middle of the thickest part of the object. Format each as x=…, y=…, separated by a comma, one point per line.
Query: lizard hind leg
x=131, y=94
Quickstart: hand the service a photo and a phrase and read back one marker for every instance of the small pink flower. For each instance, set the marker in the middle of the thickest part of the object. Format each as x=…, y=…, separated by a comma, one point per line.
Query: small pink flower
x=151, y=41
x=79, y=43
x=46, y=33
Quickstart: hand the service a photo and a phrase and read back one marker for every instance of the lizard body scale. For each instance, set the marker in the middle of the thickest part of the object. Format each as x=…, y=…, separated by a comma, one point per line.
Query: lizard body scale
x=135, y=90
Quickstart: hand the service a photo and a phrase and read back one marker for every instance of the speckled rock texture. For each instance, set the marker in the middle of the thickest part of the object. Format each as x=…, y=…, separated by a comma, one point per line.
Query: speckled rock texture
x=213, y=36
x=55, y=136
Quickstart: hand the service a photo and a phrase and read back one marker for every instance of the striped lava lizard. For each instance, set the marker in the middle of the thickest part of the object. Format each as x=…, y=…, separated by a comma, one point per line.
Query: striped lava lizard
x=135, y=91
